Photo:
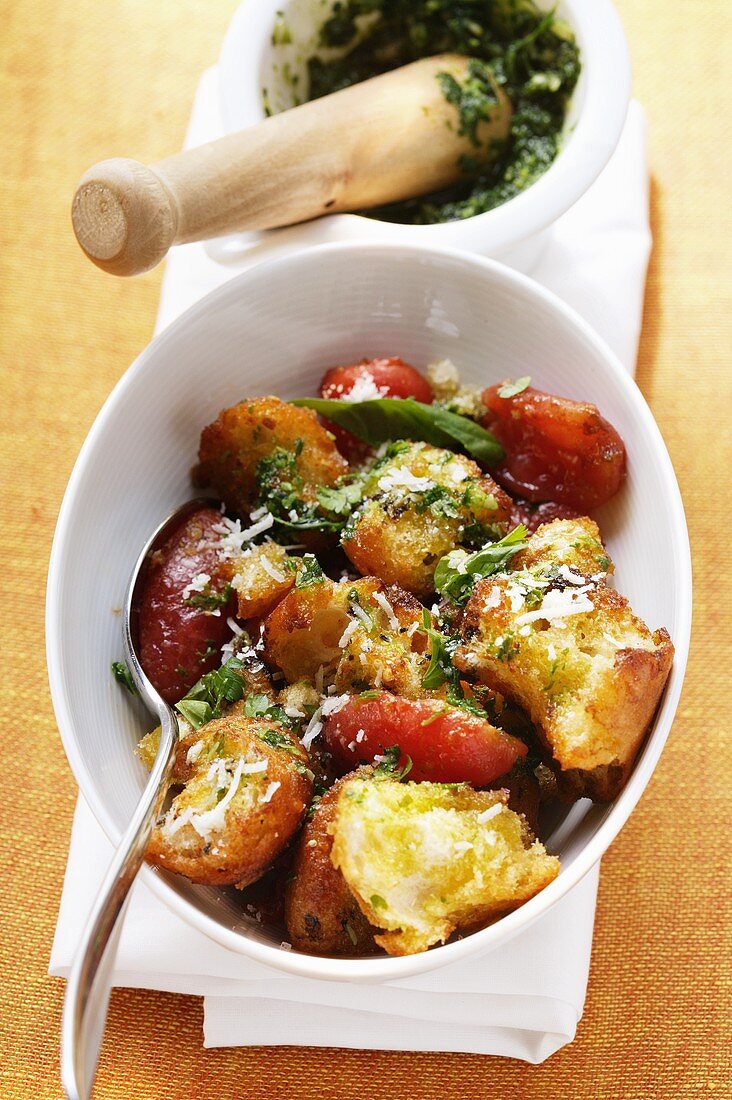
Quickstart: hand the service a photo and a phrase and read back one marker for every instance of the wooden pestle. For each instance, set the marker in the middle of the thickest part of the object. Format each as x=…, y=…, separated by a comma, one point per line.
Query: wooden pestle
x=389, y=138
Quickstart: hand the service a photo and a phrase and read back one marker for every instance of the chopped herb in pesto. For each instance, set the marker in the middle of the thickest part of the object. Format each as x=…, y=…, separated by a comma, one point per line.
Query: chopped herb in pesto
x=531, y=54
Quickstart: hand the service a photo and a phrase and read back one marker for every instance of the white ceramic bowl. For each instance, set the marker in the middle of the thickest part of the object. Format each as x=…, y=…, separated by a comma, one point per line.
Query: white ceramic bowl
x=512, y=232
x=274, y=329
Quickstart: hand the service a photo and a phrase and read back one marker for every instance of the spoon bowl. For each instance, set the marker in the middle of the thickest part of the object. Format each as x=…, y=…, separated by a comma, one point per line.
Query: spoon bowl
x=88, y=988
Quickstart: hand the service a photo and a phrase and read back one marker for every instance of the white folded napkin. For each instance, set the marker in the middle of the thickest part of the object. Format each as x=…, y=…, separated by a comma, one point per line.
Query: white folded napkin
x=523, y=1000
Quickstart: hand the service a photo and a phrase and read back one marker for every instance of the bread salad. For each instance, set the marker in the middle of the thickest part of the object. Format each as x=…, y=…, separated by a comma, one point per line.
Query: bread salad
x=394, y=642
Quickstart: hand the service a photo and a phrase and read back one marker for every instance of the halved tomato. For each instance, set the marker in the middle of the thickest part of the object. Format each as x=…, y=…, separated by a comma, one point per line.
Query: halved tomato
x=445, y=743
x=182, y=630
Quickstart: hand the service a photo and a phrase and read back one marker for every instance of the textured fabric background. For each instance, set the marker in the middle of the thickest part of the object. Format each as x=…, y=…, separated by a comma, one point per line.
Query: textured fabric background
x=82, y=80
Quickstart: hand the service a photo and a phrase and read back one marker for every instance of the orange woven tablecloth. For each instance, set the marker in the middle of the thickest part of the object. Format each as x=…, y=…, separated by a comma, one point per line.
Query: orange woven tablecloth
x=83, y=80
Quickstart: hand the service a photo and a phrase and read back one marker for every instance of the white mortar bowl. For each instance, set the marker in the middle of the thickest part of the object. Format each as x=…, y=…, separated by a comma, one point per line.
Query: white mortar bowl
x=274, y=329
x=512, y=232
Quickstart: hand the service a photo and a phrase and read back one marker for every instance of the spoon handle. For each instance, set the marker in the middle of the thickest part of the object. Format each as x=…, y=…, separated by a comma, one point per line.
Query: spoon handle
x=88, y=988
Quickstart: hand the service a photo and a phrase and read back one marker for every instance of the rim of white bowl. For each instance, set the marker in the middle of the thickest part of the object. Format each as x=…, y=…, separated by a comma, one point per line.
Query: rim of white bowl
x=381, y=968
x=607, y=76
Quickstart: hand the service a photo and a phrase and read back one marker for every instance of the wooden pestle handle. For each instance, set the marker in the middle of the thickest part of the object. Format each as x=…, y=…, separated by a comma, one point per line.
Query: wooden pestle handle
x=389, y=138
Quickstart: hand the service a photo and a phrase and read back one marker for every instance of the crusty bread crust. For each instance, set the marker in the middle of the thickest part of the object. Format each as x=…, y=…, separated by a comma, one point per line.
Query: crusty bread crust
x=590, y=681
x=321, y=914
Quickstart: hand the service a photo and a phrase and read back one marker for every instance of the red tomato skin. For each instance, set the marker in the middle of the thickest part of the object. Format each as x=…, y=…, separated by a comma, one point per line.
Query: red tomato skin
x=175, y=637
x=557, y=450
x=445, y=746
x=534, y=515
x=392, y=376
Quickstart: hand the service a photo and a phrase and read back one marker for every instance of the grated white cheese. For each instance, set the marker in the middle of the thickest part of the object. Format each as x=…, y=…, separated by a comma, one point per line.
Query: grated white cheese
x=560, y=605
x=492, y=600
x=364, y=389
x=197, y=584
x=388, y=610
x=233, y=536
x=334, y=704
x=491, y=812
x=210, y=820
x=360, y=614
x=348, y=633
x=570, y=576
x=404, y=479
x=270, y=569
x=274, y=786
x=462, y=846
x=255, y=767
x=194, y=752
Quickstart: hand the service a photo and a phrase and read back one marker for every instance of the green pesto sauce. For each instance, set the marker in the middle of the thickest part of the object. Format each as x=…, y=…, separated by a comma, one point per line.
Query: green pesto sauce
x=530, y=53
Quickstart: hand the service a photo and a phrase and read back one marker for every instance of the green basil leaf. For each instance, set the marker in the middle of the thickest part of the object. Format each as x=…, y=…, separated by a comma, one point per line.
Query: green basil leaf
x=456, y=573
x=390, y=418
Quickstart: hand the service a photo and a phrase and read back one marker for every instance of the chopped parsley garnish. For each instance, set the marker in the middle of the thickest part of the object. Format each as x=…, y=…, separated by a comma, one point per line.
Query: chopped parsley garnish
x=510, y=389
x=209, y=598
x=307, y=571
x=282, y=491
x=388, y=767
x=123, y=676
x=260, y=706
x=441, y=669
x=204, y=701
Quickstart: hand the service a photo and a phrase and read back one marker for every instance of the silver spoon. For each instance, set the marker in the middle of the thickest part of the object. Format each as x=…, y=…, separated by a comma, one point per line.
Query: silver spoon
x=88, y=989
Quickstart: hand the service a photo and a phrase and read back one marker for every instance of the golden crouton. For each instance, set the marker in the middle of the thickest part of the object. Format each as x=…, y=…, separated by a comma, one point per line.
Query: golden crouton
x=246, y=784
x=237, y=441
x=419, y=503
x=425, y=859
x=362, y=633
x=261, y=577
x=321, y=914
x=569, y=650
x=572, y=542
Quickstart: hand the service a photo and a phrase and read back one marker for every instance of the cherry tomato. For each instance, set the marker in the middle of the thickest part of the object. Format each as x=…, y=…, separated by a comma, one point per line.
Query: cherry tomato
x=556, y=449
x=446, y=744
x=180, y=642
x=383, y=377
x=533, y=515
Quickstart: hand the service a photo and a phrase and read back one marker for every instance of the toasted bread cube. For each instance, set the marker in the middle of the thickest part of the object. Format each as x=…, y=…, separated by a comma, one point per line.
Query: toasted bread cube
x=383, y=648
x=570, y=651
x=245, y=786
x=261, y=577
x=321, y=914
x=361, y=633
x=233, y=446
x=424, y=859
x=575, y=543
x=419, y=503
